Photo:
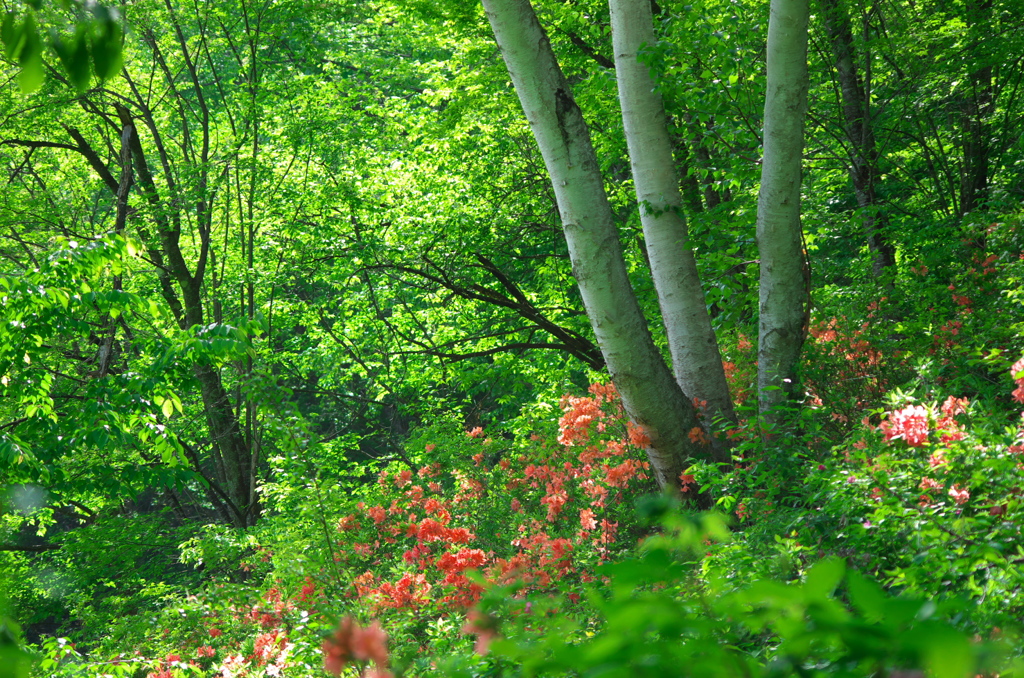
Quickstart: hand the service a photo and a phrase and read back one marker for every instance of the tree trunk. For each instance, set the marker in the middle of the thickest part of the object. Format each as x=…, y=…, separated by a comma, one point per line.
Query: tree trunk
x=232, y=456
x=863, y=161
x=696, y=361
x=785, y=277
x=649, y=393
x=978, y=103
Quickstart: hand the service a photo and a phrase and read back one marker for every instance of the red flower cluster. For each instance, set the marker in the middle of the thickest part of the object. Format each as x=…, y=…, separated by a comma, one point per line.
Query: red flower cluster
x=855, y=366
x=420, y=531
x=909, y=424
x=350, y=643
x=579, y=414
x=1017, y=373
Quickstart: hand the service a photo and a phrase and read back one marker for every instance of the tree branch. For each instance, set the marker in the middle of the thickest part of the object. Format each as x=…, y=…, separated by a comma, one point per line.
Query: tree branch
x=34, y=548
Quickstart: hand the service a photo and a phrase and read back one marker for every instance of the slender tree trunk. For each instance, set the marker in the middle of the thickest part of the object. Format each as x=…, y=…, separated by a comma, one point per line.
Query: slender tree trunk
x=863, y=163
x=696, y=361
x=784, y=281
x=233, y=460
x=978, y=103
x=649, y=393
x=974, y=175
x=713, y=197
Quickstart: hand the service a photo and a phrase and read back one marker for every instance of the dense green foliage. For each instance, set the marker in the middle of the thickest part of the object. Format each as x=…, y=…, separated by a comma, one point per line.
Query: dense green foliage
x=290, y=337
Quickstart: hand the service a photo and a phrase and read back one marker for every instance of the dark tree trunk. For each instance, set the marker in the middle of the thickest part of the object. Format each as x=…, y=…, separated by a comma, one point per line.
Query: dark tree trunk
x=863, y=154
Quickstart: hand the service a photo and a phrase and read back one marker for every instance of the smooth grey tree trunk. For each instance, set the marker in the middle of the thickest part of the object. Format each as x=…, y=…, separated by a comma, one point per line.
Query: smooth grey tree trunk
x=649, y=392
x=785, y=276
x=696, y=361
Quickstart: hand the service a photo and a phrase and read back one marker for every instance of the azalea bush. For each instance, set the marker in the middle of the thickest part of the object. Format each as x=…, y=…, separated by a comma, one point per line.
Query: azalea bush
x=925, y=495
x=474, y=539
x=650, y=614
x=539, y=510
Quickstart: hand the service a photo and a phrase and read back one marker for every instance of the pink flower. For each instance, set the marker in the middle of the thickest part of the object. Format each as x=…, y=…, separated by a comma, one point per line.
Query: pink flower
x=954, y=406
x=959, y=494
x=430, y=530
x=370, y=644
x=350, y=641
x=910, y=424
x=336, y=647
x=308, y=589
x=484, y=626
x=587, y=521
x=555, y=499
x=377, y=514
x=1016, y=374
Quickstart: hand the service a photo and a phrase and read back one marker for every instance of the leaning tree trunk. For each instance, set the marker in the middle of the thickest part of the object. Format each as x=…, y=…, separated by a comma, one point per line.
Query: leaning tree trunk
x=785, y=277
x=649, y=393
x=696, y=361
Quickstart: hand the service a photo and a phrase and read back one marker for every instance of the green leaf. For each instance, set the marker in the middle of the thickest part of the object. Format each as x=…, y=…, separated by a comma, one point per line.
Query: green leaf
x=14, y=662
x=947, y=652
x=12, y=35
x=31, y=76
x=73, y=52
x=823, y=578
x=866, y=596
x=30, y=57
x=106, y=50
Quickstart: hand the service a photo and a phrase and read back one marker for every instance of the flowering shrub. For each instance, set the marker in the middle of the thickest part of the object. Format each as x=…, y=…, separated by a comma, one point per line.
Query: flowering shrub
x=537, y=513
x=913, y=423
x=925, y=496
x=740, y=368
x=928, y=500
x=845, y=372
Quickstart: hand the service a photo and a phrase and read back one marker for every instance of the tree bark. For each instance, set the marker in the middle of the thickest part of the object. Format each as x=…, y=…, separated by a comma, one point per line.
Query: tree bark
x=696, y=361
x=649, y=393
x=978, y=103
x=784, y=288
x=863, y=158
